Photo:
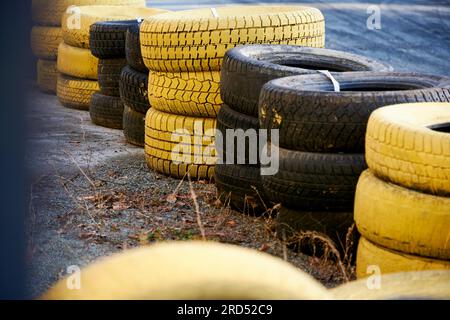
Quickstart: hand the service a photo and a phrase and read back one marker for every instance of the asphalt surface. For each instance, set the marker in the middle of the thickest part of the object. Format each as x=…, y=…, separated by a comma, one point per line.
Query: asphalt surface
x=63, y=144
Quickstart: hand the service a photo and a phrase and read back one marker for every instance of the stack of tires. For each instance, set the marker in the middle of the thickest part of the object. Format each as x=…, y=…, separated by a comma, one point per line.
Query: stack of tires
x=402, y=205
x=77, y=66
x=107, y=43
x=45, y=38
x=322, y=139
x=184, y=52
x=134, y=89
x=245, y=70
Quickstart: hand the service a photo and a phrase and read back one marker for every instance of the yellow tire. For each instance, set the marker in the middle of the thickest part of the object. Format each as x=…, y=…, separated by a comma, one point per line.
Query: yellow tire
x=77, y=62
x=75, y=93
x=195, y=94
x=175, y=145
x=402, y=148
x=191, y=271
x=47, y=76
x=389, y=261
x=406, y=285
x=50, y=12
x=76, y=22
x=45, y=42
x=196, y=40
x=401, y=219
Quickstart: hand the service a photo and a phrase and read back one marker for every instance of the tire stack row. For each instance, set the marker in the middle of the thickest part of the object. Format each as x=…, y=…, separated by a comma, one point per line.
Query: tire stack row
x=245, y=70
x=322, y=139
x=184, y=53
x=77, y=66
x=402, y=205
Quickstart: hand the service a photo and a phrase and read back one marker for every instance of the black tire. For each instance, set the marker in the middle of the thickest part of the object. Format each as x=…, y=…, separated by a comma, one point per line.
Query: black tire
x=315, y=181
x=106, y=111
x=109, y=71
x=290, y=224
x=312, y=117
x=133, y=49
x=246, y=69
x=134, y=89
x=241, y=187
x=230, y=119
x=107, y=39
x=134, y=126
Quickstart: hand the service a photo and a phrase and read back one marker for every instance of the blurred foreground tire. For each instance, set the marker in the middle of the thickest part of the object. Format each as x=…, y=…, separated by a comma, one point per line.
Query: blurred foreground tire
x=191, y=271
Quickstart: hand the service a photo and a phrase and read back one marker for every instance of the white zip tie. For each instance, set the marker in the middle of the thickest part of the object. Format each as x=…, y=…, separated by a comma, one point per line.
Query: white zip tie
x=214, y=12
x=336, y=85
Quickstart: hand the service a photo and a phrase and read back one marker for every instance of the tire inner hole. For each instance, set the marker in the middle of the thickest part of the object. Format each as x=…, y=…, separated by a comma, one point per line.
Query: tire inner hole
x=441, y=127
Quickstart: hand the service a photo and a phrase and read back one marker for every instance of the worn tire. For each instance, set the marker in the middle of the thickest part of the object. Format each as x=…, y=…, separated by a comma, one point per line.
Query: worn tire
x=49, y=12
x=134, y=89
x=88, y=15
x=245, y=69
x=390, y=261
x=77, y=62
x=163, y=132
x=47, y=75
x=405, y=285
x=195, y=94
x=315, y=181
x=133, y=49
x=402, y=146
x=228, y=119
x=106, y=111
x=107, y=38
x=109, y=71
x=241, y=188
x=45, y=42
x=134, y=126
x=195, y=40
x=75, y=93
x=312, y=117
x=290, y=223
x=401, y=219
x=216, y=272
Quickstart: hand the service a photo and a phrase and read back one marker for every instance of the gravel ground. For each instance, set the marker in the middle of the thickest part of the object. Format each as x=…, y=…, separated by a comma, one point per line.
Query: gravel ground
x=91, y=194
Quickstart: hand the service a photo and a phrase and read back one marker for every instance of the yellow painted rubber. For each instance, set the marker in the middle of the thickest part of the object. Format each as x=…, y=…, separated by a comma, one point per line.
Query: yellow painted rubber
x=50, y=12
x=45, y=42
x=390, y=261
x=77, y=62
x=75, y=93
x=196, y=40
x=176, y=144
x=406, y=285
x=77, y=22
x=191, y=271
x=195, y=94
x=402, y=219
x=47, y=76
x=401, y=148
